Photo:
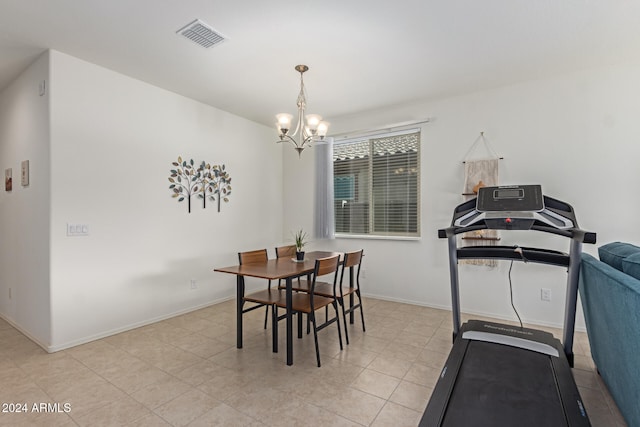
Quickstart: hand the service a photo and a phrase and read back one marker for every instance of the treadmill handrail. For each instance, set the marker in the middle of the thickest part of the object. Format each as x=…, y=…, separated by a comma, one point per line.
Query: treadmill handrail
x=573, y=233
x=572, y=261
x=534, y=255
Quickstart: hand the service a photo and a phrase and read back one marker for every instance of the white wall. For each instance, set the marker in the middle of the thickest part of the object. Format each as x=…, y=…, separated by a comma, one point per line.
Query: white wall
x=101, y=153
x=24, y=212
x=113, y=139
x=575, y=134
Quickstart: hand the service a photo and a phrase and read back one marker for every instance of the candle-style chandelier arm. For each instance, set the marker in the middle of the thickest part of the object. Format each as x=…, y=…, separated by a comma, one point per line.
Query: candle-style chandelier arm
x=306, y=142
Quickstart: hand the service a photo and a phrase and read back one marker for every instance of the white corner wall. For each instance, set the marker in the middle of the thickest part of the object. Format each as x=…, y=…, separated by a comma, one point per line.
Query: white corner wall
x=24, y=211
x=113, y=139
x=575, y=134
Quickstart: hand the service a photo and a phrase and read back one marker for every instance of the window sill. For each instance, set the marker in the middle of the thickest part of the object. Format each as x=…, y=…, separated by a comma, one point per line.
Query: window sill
x=377, y=237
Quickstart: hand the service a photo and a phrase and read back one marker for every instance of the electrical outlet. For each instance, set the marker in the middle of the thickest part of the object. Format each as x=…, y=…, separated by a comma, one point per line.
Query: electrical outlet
x=194, y=284
x=545, y=294
x=363, y=274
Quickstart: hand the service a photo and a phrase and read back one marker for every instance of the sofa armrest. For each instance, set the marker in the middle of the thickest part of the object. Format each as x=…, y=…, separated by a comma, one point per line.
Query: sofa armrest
x=611, y=305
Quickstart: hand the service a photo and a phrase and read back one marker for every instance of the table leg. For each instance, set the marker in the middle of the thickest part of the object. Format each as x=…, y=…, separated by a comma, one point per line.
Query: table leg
x=289, y=294
x=239, y=304
x=274, y=328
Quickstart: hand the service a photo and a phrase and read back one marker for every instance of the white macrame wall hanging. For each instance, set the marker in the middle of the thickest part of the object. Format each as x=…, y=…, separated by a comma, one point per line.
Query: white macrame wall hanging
x=480, y=173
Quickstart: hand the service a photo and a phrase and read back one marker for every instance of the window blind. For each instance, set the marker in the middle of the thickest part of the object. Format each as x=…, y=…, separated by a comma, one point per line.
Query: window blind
x=376, y=182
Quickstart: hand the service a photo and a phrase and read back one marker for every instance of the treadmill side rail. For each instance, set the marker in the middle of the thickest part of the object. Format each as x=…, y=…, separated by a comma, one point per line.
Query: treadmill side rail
x=437, y=406
x=571, y=401
x=572, y=413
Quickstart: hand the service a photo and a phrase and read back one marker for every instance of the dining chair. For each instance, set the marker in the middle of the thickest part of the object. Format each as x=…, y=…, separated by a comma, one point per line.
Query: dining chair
x=299, y=285
x=265, y=298
x=288, y=251
x=353, y=262
x=308, y=303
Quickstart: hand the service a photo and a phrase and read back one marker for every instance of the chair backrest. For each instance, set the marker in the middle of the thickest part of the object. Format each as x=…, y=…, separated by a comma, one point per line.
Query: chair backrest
x=351, y=260
x=251, y=257
x=326, y=266
x=286, y=251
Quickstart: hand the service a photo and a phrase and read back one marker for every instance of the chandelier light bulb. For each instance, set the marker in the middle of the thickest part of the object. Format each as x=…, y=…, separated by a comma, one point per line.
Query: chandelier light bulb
x=323, y=127
x=284, y=122
x=313, y=120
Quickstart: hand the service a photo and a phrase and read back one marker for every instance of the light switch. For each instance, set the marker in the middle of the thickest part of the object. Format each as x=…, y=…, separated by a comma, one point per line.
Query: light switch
x=77, y=230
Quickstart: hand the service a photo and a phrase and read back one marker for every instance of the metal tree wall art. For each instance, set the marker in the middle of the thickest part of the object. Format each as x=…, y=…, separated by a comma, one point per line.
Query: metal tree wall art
x=219, y=184
x=184, y=181
x=212, y=182
x=204, y=171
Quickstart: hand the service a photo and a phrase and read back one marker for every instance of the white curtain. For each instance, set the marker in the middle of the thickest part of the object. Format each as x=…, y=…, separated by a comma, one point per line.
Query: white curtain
x=324, y=225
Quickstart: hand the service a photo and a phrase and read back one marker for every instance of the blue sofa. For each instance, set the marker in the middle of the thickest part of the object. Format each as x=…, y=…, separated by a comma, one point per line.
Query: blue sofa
x=610, y=294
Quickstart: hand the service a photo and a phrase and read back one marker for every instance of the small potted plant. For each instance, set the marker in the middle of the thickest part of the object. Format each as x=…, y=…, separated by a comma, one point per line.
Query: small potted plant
x=301, y=239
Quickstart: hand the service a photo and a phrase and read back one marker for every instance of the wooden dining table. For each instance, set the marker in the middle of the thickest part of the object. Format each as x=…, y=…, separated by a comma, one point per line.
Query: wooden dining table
x=286, y=269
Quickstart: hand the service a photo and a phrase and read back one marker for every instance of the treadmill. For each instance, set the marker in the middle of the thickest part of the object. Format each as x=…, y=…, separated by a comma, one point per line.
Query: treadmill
x=498, y=374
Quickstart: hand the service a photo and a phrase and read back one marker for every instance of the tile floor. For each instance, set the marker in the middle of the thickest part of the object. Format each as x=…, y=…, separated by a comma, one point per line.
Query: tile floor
x=187, y=371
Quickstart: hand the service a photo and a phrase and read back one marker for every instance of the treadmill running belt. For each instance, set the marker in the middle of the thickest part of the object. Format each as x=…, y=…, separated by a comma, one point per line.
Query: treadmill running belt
x=500, y=385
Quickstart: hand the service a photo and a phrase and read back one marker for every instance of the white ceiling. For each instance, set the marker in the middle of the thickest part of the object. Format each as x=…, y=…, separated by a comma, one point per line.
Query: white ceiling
x=362, y=54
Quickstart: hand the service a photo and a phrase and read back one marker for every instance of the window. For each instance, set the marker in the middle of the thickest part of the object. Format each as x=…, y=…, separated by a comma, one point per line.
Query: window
x=377, y=185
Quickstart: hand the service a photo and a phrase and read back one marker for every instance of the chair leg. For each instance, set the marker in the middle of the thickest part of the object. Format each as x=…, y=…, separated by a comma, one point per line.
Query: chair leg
x=344, y=317
x=315, y=337
x=361, y=311
x=335, y=307
x=266, y=310
x=299, y=324
x=351, y=308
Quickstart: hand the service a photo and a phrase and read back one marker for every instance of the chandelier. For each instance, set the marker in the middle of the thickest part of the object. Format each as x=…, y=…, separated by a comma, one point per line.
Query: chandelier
x=309, y=128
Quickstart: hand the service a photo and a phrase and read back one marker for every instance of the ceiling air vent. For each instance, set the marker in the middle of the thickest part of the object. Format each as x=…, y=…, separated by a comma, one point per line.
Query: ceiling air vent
x=201, y=33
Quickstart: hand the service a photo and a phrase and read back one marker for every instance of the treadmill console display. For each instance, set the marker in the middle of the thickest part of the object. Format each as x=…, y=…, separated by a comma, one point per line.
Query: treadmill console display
x=512, y=207
x=508, y=193
x=522, y=198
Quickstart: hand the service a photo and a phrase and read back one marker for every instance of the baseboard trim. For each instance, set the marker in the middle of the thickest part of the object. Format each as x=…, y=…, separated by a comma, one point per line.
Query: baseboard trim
x=70, y=344
x=25, y=332
x=84, y=340
x=90, y=338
